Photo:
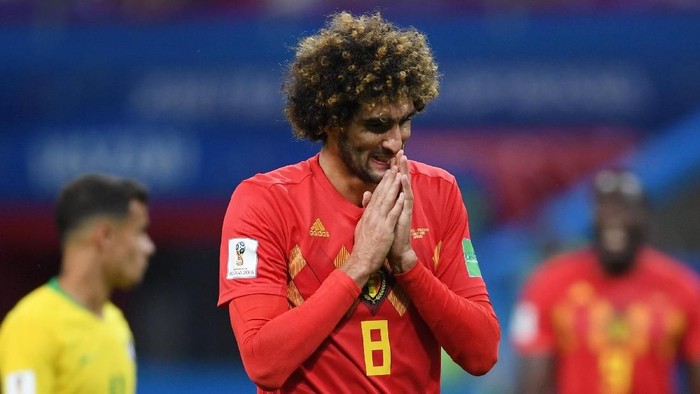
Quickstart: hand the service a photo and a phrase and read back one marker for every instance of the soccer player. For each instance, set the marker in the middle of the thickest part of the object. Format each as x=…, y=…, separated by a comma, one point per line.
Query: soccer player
x=614, y=317
x=347, y=272
x=66, y=336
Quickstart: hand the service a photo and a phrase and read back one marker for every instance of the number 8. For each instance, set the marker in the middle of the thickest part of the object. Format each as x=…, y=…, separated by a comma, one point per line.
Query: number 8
x=382, y=345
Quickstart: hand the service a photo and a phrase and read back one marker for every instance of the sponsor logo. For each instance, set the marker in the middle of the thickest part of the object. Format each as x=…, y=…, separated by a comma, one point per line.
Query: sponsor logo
x=318, y=230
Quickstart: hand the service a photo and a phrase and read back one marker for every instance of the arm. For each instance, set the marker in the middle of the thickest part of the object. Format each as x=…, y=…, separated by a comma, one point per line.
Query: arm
x=466, y=328
x=455, y=306
x=274, y=341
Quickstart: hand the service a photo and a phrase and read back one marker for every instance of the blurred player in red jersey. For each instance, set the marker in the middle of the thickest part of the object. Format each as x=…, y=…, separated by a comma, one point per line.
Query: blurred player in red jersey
x=348, y=272
x=613, y=318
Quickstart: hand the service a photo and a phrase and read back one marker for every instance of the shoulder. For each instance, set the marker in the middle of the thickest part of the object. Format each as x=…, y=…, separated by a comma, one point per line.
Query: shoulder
x=564, y=266
x=38, y=308
x=293, y=174
x=427, y=173
x=548, y=281
x=433, y=184
x=268, y=189
x=660, y=259
x=665, y=267
x=264, y=196
x=115, y=316
x=112, y=312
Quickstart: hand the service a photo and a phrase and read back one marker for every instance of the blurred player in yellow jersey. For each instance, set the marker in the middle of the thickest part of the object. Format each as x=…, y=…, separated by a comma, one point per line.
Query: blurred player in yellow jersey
x=66, y=336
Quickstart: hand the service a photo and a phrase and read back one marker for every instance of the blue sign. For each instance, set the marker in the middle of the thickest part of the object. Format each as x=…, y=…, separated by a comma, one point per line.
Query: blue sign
x=191, y=108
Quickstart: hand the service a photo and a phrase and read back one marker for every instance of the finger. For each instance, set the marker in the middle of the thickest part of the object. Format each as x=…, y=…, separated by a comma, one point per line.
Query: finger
x=404, y=170
x=407, y=211
x=386, y=190
x=366, y=197
x=403, y=163
x=396, y=158
x=407, y=188
x=379, y=190
x=396, y=210
x=389, y=196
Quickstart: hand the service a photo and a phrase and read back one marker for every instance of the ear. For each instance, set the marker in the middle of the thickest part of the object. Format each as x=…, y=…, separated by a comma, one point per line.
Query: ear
x=101, y=233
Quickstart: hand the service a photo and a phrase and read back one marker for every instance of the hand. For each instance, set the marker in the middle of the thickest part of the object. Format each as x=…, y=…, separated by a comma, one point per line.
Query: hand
x=374, y=233
x=401, y=255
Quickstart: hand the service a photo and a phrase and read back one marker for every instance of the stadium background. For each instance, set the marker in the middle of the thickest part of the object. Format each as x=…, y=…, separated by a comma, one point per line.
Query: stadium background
x=185, y=96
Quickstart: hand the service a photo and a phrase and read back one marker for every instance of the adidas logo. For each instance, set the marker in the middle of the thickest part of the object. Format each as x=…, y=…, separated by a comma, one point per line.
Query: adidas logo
x=317, y=229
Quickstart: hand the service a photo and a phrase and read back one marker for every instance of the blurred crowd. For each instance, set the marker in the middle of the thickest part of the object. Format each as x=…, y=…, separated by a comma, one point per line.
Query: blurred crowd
x=90, y=11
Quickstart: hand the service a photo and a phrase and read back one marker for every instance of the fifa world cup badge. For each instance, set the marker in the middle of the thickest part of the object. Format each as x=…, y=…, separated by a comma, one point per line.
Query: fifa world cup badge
x=240, y=249
x=242, y=258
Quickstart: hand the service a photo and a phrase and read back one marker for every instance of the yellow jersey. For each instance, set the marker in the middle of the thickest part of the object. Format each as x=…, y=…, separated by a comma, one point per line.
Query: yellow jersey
x=51, y=344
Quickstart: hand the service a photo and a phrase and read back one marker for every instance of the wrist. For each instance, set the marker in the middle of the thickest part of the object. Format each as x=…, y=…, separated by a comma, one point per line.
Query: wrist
x=357, y=271
x=404, y=262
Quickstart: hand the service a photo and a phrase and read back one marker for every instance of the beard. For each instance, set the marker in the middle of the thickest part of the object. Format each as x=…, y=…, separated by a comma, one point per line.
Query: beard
x=357, y=163
x=619, y=262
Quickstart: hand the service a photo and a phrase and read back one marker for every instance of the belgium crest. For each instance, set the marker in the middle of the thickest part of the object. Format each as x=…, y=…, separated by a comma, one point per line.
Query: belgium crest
x=376, y=289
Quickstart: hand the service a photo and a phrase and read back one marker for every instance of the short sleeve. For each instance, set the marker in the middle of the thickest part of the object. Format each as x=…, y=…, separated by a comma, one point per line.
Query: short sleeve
x=26, y=353
x=531, y=329
x=252, y=256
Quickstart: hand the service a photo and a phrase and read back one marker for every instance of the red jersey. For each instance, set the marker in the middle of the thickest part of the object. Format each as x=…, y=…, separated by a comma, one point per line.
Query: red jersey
x=284, y=235
x=611, y=334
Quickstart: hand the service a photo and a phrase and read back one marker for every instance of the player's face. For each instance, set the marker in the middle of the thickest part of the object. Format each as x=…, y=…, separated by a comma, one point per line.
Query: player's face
x=619, y=228
x=130, y=248
x=373, y=137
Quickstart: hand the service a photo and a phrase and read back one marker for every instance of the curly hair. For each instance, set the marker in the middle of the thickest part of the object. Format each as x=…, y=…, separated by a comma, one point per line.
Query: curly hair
x=356, y=61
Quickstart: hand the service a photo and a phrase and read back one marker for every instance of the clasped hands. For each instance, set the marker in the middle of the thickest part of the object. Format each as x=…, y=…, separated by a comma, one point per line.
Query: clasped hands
x=383, y=233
